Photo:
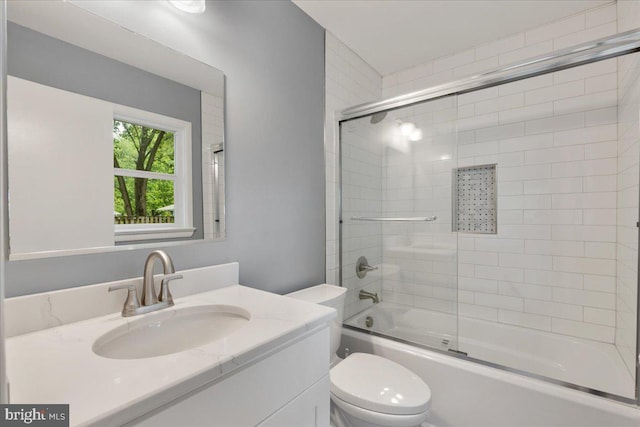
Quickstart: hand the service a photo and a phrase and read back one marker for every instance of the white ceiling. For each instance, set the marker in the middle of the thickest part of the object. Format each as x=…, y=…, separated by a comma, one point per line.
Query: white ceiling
x=392, y=35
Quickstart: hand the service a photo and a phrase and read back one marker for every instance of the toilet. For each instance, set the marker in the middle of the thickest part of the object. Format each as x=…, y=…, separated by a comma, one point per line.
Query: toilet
x=368, y=390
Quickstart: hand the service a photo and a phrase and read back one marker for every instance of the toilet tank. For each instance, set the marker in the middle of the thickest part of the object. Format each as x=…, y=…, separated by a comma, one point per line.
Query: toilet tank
x=331, y=296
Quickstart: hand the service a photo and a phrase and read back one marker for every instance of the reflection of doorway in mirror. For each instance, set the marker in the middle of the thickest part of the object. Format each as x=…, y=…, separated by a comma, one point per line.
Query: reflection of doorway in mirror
x=60, y=173
x=213, y=166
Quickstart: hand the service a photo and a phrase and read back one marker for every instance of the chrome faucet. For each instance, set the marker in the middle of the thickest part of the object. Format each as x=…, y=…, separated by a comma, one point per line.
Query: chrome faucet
x=369, y=295
x=149, y=296
x=150, y=300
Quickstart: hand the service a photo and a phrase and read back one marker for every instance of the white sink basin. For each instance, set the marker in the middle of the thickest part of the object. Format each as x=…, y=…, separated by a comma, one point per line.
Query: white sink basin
x=170, y=331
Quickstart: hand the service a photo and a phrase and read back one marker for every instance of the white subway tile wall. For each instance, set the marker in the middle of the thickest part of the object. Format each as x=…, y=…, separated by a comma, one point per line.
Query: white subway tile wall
x=553, y=264
x=419, y=266
x=626, y=250
x=567, y=146
x=349, y=81
x=558, y=212
x=361, y=197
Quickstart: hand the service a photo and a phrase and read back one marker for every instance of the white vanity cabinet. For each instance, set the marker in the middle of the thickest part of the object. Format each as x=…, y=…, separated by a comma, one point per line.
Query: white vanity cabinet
x=272, y=371
x=287, y=388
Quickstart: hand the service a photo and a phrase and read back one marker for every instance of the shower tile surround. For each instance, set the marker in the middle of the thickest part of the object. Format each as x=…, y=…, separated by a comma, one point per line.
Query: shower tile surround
x=351, y=81
x=554, y=138
x=627, y=190
x=563, y=258
x=419, y=257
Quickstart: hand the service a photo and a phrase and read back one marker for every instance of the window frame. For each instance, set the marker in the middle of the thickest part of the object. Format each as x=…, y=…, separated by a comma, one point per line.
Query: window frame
x=182, y=179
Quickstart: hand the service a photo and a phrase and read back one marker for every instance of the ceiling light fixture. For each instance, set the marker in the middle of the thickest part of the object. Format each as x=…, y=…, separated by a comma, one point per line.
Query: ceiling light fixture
x=190, y=6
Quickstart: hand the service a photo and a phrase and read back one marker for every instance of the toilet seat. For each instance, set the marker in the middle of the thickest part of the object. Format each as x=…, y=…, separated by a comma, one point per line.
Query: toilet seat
x=372, y=383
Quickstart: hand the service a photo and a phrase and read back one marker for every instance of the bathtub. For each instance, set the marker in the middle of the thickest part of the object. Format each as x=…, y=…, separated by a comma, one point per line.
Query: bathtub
x=580, y=362
x=467, y=394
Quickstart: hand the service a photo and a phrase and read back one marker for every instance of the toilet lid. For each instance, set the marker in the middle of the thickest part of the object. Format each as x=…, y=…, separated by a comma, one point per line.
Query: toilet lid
x=378, y=384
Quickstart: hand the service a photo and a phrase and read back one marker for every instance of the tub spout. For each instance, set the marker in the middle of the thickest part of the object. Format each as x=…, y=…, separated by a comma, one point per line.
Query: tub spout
x=369, y=295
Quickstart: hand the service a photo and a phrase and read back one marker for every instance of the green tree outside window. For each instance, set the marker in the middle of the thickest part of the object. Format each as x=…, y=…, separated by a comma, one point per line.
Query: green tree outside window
x=150, y=151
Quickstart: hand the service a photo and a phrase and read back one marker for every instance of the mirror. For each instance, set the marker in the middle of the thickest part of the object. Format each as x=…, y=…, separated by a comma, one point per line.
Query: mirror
x=114, y=140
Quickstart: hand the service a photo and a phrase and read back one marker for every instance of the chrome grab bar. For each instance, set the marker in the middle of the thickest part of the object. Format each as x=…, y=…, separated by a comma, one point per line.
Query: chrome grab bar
x=407, y=219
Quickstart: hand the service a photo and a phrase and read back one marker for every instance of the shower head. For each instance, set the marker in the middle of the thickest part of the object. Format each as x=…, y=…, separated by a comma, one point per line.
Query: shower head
x=378, y=117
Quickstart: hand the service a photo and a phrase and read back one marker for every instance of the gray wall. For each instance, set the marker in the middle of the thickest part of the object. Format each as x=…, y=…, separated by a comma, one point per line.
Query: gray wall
x=42, y=59
x=273, y=58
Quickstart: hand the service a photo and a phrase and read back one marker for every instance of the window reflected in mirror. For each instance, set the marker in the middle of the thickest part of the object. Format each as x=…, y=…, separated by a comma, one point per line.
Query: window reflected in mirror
x=107, y=147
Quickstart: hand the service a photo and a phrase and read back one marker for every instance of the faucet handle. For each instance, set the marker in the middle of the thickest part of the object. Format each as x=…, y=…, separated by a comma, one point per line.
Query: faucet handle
x=363, y=267
x=132, y=303
x=165, y=293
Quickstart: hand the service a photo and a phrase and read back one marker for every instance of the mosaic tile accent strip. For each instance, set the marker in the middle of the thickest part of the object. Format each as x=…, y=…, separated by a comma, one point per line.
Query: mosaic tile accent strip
x=476, y=202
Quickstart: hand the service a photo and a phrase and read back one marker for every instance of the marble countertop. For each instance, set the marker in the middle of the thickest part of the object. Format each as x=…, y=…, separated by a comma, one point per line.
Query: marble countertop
x=57, y=365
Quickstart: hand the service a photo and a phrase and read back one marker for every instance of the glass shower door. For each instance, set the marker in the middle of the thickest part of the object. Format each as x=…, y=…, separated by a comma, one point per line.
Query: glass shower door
x=502, y=223
x=397, y=213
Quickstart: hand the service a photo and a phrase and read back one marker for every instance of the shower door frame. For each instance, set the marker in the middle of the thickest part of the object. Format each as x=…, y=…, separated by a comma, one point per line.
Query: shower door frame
x=598, y=50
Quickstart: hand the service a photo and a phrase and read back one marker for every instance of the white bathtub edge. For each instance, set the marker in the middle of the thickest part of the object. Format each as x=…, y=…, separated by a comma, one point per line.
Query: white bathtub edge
x=553, y=390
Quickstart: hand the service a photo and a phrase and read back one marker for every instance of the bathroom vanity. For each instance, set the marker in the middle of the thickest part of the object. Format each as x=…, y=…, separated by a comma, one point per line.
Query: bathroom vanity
x=266, y=363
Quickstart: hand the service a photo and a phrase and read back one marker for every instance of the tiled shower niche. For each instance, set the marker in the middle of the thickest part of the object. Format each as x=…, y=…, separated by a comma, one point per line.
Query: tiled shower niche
x=475, y=200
